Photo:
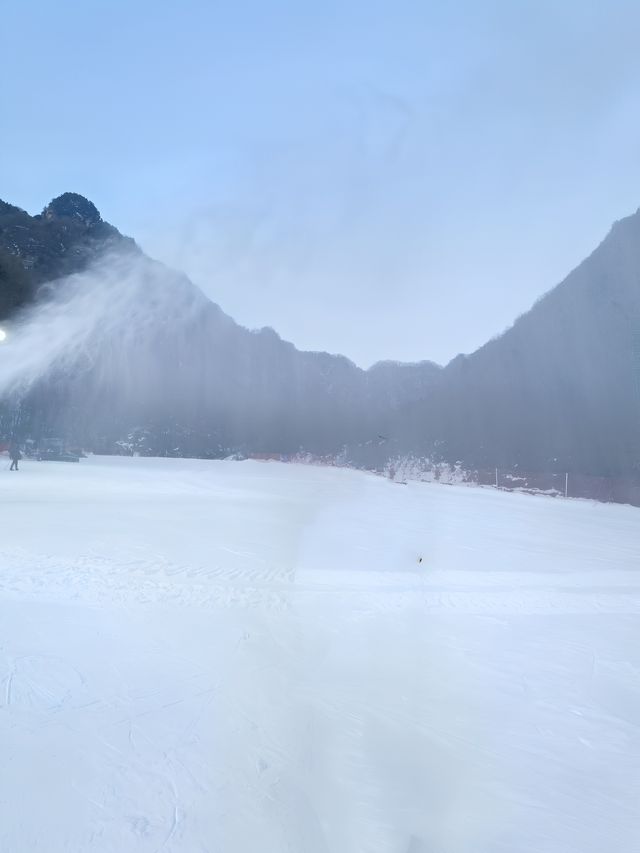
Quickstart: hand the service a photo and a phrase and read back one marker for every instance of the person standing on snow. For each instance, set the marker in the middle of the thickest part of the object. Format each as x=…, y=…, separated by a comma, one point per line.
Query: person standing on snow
x=16, y=456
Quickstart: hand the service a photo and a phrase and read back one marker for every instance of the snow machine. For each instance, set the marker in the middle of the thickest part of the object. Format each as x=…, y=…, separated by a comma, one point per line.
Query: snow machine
x=53, y=450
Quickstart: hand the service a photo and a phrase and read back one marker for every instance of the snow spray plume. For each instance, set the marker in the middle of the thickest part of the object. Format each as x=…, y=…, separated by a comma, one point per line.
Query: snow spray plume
x=94, y=320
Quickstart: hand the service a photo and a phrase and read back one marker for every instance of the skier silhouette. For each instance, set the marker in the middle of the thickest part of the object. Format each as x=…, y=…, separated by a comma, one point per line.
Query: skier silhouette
x=16, y=456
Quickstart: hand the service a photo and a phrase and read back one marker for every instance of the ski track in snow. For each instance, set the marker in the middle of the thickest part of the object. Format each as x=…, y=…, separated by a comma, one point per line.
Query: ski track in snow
x=199, y=656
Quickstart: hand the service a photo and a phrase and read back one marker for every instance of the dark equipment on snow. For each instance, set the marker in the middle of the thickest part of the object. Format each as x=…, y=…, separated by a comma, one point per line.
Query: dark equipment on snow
x=53, y=450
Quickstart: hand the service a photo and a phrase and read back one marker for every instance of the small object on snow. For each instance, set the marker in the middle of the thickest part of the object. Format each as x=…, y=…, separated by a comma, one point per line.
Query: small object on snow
x=419, y=559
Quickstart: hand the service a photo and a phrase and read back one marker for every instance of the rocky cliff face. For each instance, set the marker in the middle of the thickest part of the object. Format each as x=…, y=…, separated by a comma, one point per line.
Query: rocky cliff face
x=63, y=239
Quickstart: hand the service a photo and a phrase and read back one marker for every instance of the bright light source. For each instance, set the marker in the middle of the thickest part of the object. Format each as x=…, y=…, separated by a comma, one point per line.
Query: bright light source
x=3, y=335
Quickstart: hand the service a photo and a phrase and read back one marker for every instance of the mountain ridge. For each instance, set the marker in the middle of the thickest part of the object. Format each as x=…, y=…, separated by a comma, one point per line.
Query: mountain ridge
x=559, y=380
x=258, y=391
x=70, y=206
x=560, y=388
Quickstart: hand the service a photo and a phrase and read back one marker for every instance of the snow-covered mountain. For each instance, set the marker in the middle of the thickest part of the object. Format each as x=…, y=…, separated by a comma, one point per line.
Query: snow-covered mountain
x=159, y=359
x=109, y=345
x=560, y=388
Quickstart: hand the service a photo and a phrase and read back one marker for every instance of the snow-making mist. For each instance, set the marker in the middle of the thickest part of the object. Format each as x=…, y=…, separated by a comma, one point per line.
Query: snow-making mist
x=98, y=317
x=128, y=353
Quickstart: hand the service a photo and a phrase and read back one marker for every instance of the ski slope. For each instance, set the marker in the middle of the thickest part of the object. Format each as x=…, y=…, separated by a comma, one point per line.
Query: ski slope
x=250, y=657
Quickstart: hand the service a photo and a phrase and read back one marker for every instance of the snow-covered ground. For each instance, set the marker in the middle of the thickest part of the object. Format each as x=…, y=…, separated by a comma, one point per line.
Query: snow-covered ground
x=224, y=657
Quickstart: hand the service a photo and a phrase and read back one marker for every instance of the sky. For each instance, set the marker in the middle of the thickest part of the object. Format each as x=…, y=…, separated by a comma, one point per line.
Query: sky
x=384, y=180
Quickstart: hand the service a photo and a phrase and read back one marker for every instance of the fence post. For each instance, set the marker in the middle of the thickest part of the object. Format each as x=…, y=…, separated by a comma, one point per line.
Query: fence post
x=496, y=478
x=566, y=485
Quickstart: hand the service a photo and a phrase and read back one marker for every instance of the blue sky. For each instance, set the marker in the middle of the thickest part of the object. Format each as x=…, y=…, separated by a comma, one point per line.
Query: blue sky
x=387, y=180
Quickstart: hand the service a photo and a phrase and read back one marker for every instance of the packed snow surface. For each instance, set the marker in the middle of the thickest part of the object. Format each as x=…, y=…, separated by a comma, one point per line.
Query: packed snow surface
x=249, y=657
